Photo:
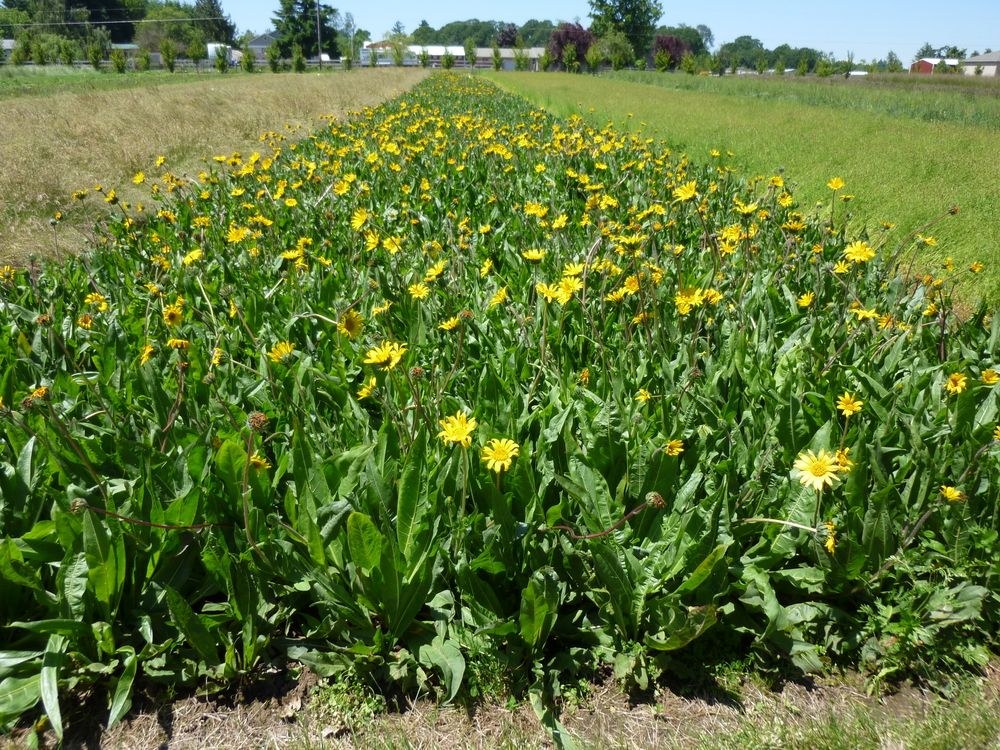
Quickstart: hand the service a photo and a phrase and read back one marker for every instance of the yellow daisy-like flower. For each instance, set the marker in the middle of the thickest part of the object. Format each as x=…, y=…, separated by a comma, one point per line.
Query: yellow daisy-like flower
x=848, y=405
x=831, y=537
x=367, y=388
x=956, y=383
x=192, y=256
x=259, y=462
x=951, y=494
x=98, y=300
x=817, y=470
x=996, y=433
x=859, y=252
x=139, y=178
x=976, y=267
x=498, y=454
x=686, y=192
x=643, y=396
x=534, y=256
x=386, y=355
x=457, y=429
x=835, y=184
x=358, y=219
x=674, y=447
x=806, y=299
x=485, y=268
x=449, y=324
x=282, y=352
x=435, y=270
x=499, y=298
x=585, y=377
x=172, y=315
x=842, y=266
x=419, y=291
x=147, y=351
x=350, y=324
x=179, y=344
x=990, y=377
x=573, y=269
x=237, y=234
x=85, y=321
x=844, y=463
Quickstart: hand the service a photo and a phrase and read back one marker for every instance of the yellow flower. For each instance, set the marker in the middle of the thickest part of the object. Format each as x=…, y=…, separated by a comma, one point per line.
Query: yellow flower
x=686, y=192
x=990, y=377
x=956, y=383
x=831, y=537
x=358, y=219
x=534, y=256
x=98, y=300
x=859, y=252
x=844, y=463
x=180, y=344
x=259, y=462
x=674, y=447
x=498, y=454
x=499, y=298
x=996, y=433
x=573, y=269
x=435, y=270
x=848, y=405
x=449, y=324
x=457, y=429
x=367, y=388
x=85, y=321
x=976, y=267
x=384, y=307
x=147, y=351
x=172, y=315
x=864, y=314
x=818, y=471
x=643, y=396
x=386, y=356
x=951, y=494
x=806, y=299
x=192, y=256
x=232, y=309
x=419, y=291
x=291, y=202
x=282, y=352
x=485, y=268
x=350, y=324
x=585, y=377
x=549, y=291
x=835, y=184
x=841, y=267
x=216, y=355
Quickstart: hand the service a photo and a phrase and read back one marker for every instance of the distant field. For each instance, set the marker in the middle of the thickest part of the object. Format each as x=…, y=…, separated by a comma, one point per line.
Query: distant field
x=902, y=165
x=88, y=129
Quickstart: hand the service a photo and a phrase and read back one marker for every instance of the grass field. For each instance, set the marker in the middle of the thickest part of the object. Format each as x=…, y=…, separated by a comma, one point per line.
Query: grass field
x=901, y=167
x=89, y=129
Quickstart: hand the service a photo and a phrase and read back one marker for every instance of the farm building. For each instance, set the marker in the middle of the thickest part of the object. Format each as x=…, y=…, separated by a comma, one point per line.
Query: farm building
x=259, y=45
x=989, y=64
x=926, y=64
x=6, y=47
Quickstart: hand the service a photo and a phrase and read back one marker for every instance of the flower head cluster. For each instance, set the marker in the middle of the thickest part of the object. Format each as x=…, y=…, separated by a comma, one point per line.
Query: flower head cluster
x=457, y=429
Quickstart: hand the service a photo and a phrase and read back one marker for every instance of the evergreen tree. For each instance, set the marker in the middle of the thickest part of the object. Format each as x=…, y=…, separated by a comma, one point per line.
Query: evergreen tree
x=295, y=24
x=220, y=28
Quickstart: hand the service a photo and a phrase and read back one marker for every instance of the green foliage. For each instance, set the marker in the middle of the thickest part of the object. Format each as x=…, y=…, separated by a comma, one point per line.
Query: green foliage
x=95, y=56
x=447, y=60
x=273, y=55
x=39, y=53
x=779, y=66
x=943, y=67
x=222, y=58
x=594, y=58
x=662, y=61
x=636, y=19
x=824, y=69
x=68, y=52
x=424, y=58
x=144, y=60
x=803, y=67
x=616, y=48
x=197, y=52
x=893, y=63
x=569, y=60
x=497, y=58
x=221, y=439
x=761, y=63
x=545, y=60
x=689, y=64
x=248, y=60
x=397, y=53
x=299, y=59
x=168, y=55
x=295, y=25
x=118, y=60
x=521, y=60
x=469, y=48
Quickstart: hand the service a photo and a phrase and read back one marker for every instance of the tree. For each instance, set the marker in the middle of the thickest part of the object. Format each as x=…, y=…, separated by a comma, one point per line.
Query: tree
x=497, y=57
x=470, y=52
x=197, y=51
x=248, y=61
x=397, y=29
x=222, y=58
x=168, y=53
x=144, y=60
x=594, y=58
x=615, y=48
x=118, y=60
x=569, y=58
x=536, y=33
x=925, y=51
x=507, y=35
x=566, y=34
x=217, y=26
x=707, y=37
x=423, y=34
x=273, y=54
x=689, y=64
x=690, y=36
x=350, y=32
x=295, y=23
x=743, y=52
x=636, y=19
x=671, y=46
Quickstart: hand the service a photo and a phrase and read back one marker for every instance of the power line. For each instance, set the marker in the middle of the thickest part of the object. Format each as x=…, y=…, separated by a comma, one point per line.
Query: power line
x=105, y=23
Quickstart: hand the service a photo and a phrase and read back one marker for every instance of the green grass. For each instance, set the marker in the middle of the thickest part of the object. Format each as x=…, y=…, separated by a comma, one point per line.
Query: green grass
x=902, y=170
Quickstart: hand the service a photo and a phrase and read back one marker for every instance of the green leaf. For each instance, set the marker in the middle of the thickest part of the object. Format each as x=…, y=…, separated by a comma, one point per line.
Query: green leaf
x=51, y=666
x=412, y=501
x=685, y=629
x=121, y=700
x=102, y=565
x=446, y=656
x=703, y=571
x=622, y=591
x=364, y=540
x=192, y=627
x=539, y=607
x=17, y=695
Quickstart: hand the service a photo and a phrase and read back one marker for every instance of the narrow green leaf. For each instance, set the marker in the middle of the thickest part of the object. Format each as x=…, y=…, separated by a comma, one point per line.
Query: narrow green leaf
x=102, y=569
x=412, y=501
x=51, y=666
x=121, y=700
x=17, y=695
x=539, y=607
x=620, y=588
x=703, y=571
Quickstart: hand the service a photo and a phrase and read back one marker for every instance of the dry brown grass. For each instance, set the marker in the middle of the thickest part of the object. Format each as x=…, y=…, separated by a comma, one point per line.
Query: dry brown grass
x=52, y=146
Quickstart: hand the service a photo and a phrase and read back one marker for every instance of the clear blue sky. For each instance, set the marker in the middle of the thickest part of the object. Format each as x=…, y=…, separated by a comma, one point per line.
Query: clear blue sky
x=868, y=28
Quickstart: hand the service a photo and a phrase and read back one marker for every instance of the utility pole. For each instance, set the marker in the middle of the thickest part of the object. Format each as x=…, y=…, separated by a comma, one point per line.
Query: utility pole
x=319, y=38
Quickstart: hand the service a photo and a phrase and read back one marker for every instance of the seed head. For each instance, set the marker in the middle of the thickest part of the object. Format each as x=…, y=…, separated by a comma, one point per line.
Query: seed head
x=258, y=422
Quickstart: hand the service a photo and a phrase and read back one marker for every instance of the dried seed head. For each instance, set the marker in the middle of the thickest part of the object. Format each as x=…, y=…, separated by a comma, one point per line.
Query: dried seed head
x=226, y=291
x=417, y=373
x=44, y=319
x=208, y=379
x=655, y=500
x=258, y=422
x=78, y=506
x=466, y=315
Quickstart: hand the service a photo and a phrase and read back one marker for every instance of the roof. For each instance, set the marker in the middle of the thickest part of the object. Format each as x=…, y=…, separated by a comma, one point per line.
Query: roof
x=507, y=53
x=989, y=57
x=936, y=60
x=125, y=46
x=264, y=40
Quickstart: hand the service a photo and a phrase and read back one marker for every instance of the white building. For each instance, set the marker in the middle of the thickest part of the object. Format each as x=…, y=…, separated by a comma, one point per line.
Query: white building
x=990, y=63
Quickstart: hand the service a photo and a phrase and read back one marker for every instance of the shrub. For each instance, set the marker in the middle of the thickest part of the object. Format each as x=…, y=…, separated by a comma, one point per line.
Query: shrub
x=803, y=66
x=222, y=59
x=118, y=60
x=298, y=59
x=424, y=58
x=470, y=52
x=68, y=52
x=168, y=54
x=566, y=34
x=594, y=58
x=94, y=56
x=198, y=53
x=672, y=46
x=273, y=55
x=249, y=59
x=447, y=60
x=689, y=64
x=497, y=58
x=545, y=60
x=39, y=53
x=616, y=49
x=662, y=61
x=144, y=61
x=779, y=66
x=569, y=58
